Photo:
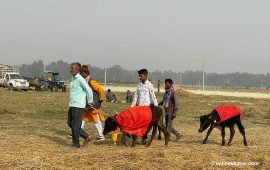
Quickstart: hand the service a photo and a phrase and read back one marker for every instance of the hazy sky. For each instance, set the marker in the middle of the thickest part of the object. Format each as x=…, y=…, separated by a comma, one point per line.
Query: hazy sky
x=231, y=35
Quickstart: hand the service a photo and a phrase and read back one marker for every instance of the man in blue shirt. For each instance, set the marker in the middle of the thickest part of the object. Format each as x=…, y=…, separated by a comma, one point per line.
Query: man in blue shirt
x=77, y=102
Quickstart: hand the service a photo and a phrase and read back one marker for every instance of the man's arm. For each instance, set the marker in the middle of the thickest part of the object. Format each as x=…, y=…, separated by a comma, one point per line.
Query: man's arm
x=160, y=103
x=135, y=98
x=175, y=105
x=87, y=89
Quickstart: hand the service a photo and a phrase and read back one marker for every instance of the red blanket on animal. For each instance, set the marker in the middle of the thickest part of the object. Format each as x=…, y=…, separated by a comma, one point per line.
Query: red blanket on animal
x=227, y=112
x=135, y=120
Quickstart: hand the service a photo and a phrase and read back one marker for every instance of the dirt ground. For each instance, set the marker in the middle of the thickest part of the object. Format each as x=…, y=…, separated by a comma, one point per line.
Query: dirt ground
x=34, y=135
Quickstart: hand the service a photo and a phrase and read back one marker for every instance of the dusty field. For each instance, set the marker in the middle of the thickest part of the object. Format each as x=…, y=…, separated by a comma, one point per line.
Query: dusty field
x=34, y=136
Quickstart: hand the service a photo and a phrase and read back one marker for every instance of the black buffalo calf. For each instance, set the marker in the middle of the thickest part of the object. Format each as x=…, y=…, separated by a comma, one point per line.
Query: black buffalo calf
x=223, y=116
x=137, y=121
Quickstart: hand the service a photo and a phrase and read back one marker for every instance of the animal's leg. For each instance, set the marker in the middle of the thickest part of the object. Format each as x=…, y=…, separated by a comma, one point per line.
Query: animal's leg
x=134, y=137
x=242, y=131
x=231, y=136
x=145, y=135
x=152, y=136
x=223, y=135
x=208, y=133
x=123, y=140
x=159, y=129
x=159, y=133
x=165, y=132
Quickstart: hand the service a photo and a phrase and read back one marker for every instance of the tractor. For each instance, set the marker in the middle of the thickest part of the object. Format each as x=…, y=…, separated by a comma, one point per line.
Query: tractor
x=51, y=80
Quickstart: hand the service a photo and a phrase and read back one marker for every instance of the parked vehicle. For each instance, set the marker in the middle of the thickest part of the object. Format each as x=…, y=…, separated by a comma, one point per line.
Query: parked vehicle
x=49, y=80
x=4, y=69
x=15, y=82
x=54, y=81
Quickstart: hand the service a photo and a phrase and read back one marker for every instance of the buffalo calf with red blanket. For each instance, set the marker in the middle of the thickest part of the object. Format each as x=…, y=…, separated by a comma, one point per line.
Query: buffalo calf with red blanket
x=137, y=121
x=223, y=116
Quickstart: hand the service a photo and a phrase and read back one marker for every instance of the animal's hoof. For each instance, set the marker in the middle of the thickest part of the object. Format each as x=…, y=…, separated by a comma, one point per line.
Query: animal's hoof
x=159, y=138
x=223, y=144
x=144, y=141
x=124, y=143
x=204, y=142
x=228, y=144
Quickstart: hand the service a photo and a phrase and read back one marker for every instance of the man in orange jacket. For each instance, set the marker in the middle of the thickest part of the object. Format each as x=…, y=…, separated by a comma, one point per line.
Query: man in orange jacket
x=93, y=113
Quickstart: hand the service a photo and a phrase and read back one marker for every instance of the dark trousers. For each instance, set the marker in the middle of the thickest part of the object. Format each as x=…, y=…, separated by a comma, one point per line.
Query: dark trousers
x=75, y=122
x=169, y=127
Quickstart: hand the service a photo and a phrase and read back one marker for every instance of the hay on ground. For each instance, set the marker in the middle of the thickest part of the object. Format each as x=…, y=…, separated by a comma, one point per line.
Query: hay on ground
x=251, y=111
x=183, y=93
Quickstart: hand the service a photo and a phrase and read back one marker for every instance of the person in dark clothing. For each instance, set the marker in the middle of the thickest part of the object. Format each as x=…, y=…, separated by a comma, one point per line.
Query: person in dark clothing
x=170, y=106
x=110, y=96
x=129, y=97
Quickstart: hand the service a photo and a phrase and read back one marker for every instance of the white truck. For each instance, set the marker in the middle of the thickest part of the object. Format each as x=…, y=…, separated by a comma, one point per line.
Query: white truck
x=10, y=77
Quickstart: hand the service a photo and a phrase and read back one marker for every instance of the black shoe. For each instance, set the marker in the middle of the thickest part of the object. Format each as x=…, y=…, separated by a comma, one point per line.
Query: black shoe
x=86, y=141
x=75, y=145
x=178, y=137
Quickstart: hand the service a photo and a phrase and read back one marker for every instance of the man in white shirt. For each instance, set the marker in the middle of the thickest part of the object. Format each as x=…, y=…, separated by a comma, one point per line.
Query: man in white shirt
x=144, y=95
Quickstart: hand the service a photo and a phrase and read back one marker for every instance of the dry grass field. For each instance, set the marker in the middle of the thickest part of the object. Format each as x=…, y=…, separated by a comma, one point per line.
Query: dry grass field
x=34, y=133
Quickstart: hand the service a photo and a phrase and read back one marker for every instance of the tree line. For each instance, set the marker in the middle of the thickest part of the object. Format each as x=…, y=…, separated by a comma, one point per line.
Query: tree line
x=117, y=74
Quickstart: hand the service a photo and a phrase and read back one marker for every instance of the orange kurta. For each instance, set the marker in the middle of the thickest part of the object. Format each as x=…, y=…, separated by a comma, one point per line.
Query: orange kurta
x=91, y=115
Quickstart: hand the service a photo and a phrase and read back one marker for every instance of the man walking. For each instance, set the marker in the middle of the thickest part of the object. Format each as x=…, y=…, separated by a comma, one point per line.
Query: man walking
x=77, y=100
x=94, y=114
x=170, y=106
x=144, y=95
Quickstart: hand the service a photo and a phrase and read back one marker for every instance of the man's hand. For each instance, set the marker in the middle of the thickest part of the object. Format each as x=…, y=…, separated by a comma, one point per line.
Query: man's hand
x=90, y=105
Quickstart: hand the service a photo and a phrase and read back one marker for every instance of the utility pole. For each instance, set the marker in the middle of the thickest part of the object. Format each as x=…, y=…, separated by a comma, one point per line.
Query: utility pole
x=262, y=84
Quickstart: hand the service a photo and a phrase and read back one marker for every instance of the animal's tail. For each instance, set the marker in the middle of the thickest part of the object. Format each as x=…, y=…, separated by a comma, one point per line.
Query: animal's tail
x=239, y=124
